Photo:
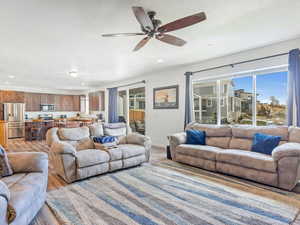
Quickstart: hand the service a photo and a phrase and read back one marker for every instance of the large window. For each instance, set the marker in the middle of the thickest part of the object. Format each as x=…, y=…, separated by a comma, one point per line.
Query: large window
x=230, y=101
x=236, y=97
x=271, y=98
x=205, y=102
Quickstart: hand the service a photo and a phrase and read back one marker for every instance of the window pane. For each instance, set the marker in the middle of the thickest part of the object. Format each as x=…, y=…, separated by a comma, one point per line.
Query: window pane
x=205, y=102
x=271, y=92
x=236, y=100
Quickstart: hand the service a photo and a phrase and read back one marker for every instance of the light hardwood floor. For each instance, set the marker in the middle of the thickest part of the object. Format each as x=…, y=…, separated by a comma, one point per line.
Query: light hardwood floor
x=45, y=216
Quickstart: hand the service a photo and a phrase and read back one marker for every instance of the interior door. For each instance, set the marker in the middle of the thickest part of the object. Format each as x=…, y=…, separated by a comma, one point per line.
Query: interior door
x=123, y=106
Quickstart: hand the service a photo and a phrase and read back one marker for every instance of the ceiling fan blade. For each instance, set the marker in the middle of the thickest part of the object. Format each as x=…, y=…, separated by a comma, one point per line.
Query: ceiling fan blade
x=182, y=23
x=141, y=44
x=143, y=18
x=122, y=34
x=170, y=39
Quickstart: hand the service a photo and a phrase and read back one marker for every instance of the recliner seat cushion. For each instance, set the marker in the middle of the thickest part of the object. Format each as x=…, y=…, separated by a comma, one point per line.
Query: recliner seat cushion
x=91, y=157
x=199, y=151
x=130, y=150
x=115, y=154
x=247, y=159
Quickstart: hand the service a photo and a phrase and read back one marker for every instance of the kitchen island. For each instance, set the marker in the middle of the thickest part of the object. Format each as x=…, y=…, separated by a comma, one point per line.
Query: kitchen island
x=36, y=129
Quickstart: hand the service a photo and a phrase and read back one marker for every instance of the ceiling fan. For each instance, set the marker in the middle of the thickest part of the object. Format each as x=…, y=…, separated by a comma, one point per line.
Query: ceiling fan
x=151, y=27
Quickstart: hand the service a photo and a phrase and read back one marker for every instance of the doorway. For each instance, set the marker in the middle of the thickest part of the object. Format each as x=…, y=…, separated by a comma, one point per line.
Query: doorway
x=131, y=108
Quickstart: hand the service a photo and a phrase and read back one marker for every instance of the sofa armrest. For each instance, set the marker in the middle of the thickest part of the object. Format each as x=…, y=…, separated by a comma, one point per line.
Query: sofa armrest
x=60, y=147
x=290, y=149
x=175, y=140
x=139, y=139
x=4, y=191
x=51, y=136
x=26, y=162
x=4, y=198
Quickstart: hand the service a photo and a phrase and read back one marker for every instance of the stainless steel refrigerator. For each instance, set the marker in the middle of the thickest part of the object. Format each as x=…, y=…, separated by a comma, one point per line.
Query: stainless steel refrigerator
x=14, y=114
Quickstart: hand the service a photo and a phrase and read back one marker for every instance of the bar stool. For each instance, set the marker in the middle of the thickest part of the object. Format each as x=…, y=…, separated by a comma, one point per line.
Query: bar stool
x=34, y=131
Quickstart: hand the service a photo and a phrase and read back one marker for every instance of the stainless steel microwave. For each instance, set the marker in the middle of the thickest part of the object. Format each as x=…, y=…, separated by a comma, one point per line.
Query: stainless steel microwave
x=47, y=107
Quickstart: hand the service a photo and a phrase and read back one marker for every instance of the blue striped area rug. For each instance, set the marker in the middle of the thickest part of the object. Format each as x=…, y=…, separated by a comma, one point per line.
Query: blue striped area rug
x=156, y=195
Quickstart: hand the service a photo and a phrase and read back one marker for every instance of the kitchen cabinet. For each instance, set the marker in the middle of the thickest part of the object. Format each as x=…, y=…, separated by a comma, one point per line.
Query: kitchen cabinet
x=51, y=99
x=96, y=101
x=33, y=101
x=4, y=133
x=11, y=96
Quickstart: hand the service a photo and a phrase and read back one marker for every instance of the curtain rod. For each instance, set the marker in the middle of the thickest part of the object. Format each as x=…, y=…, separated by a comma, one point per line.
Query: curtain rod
x=238, y=63
x=126, y=85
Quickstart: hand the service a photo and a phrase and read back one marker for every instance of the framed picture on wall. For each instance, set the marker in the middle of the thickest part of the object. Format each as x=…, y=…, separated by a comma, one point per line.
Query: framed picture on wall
x=165, y=97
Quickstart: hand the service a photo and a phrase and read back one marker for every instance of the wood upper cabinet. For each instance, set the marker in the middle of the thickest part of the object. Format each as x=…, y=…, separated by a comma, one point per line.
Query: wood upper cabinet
x=96, y=101
x=76, y=103
x=33, y=101
x=12, y=96
x=51, y=99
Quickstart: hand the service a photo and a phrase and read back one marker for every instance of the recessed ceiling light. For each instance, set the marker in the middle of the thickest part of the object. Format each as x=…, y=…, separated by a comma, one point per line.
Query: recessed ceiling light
x=6, y=82
x=11, y=76
x=160, y=60
x=73, y=73
x=82, y=84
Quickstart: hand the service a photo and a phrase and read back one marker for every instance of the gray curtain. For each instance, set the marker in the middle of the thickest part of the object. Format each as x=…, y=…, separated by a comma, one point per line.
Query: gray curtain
x=294, y=86
x=113, y=105
x=188, y=98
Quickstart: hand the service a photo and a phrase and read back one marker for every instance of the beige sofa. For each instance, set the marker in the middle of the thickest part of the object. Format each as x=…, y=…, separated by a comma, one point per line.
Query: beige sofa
x=25, y=190
x=228, y=150
x=75, y=157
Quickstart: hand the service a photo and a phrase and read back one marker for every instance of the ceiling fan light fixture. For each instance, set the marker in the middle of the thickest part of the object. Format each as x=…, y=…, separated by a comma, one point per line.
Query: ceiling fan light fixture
x=151, y=27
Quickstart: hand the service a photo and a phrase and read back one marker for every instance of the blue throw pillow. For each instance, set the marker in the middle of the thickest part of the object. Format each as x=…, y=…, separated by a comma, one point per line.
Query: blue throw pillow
x=264, y=143
x=195, y=137
x=104, y=139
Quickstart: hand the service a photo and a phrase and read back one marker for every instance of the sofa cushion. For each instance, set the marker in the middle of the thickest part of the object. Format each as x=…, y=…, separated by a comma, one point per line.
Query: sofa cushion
x=220, y=142
x=96, y=130
x=73, y=134
x=247, y=159
x=294, y=134
x=91, y=157
x=245, y=131
x=211, y=130
x=195, y=137
x=240, y=143
x=115, y=129
x=115, y=154
x=131, y=150
x=199, y=151
x=265, y=144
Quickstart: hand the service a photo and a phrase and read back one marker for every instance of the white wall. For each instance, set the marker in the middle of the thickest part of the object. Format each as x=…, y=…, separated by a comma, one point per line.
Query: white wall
x=162, y=122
